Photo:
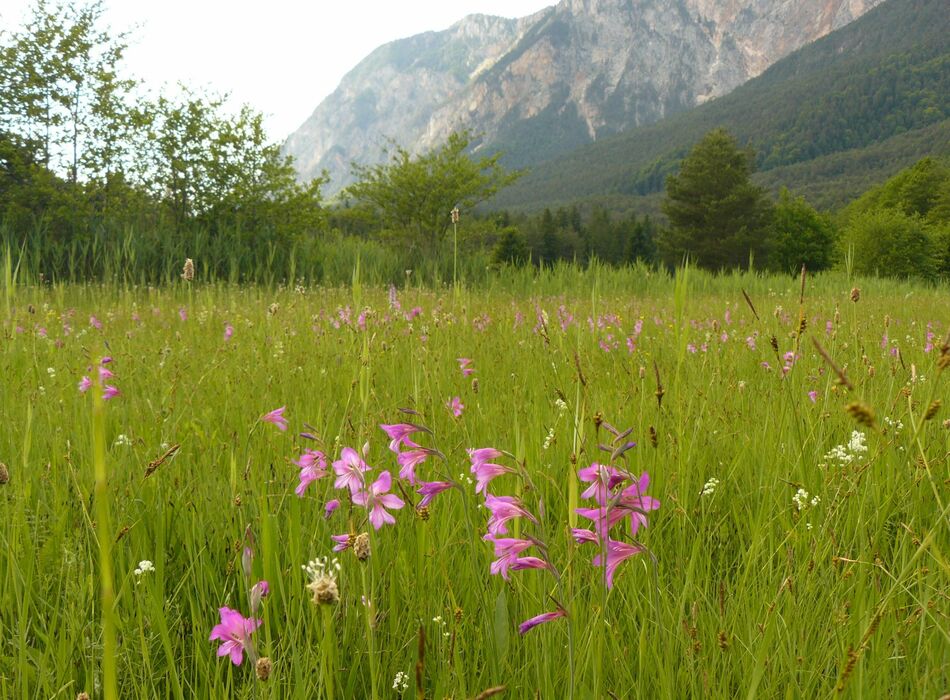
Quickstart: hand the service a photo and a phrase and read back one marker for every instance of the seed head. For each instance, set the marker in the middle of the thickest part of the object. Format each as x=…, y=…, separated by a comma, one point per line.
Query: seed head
x=263, y=668
x=931, y=412
x=654, y=441
x=4, y=474
x=188, y=271
x=855, y=295
x=861, y=412
x=83, y=696
x=422, y=512
x=475, y=385
x=324, y=590
x=361, y=546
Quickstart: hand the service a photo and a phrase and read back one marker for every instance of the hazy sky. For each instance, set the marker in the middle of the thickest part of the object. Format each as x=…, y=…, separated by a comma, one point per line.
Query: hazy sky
x=281, y=57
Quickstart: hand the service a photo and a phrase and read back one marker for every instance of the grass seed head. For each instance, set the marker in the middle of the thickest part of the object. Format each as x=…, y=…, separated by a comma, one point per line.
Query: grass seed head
x=263, y=668
x=931, y=412
x=4, y=474
x=861, y=412
x=361, y=546
x=855, y=295
x=324, y=590
x=188, y=271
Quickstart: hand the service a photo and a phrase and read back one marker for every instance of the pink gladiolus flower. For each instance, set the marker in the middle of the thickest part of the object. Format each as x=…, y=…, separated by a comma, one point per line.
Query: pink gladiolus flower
x=110, y=392
x=84, y=384
x=276, y=417
x=349, y=470
x=183, y=314
x=105, y=360
x=330, y=507
x=813, y=395
x=95, y=323
x=376, y=499
x=456, y=406
x=410, y=459
x=484, y=472
x=507, y=551
x=503, y=509
x=313, y=466
x=430, y=489
x=602, y=480
x=464, y=363
x=540, y=620
x=228, y=331
x=582, y=536
x=398, y=433
x=104, y=374
x=634, y=500
x=617, y=552
x=342, y=542
x=529, y=563
x=235, y=632
x=483, y=469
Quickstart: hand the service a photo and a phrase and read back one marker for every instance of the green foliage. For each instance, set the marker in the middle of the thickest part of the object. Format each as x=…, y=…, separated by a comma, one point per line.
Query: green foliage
x=510, y=249
x=717, y=216
x=415, y=194
x=890, y=243
x=801, y=236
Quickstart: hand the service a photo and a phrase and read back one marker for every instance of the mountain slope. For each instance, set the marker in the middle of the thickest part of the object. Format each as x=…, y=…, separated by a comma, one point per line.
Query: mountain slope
x=885, y=74
x=542, y=85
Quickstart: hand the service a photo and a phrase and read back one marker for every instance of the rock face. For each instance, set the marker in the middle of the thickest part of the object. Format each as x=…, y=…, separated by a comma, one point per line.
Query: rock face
x=538, y=86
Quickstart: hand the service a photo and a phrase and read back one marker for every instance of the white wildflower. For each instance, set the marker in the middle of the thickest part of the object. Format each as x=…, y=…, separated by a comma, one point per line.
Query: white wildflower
x=144, y=567
x=709, y=488
x=122, y=440
x=401, y=682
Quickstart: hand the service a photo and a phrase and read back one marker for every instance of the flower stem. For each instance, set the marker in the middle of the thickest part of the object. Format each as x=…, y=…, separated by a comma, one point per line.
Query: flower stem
x=104, y=536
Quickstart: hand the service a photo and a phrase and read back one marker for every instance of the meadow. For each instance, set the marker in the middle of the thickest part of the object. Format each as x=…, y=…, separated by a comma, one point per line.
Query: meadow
x=168, y=449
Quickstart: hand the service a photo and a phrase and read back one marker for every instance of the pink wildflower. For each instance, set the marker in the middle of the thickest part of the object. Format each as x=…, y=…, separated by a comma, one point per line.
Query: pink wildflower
x=276, y=417
x=464, y=363
x=349, y=470
x=430, y=489
x=235, y=631
x=456, y=406
x=399, y=433
x=313, y=466
x=377, y=499
x=84, y=384
x=109, y=392
x=617, y=553
x=540, y=620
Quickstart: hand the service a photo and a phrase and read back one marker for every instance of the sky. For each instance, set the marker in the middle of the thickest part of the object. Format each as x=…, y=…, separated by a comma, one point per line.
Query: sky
x=282, y=57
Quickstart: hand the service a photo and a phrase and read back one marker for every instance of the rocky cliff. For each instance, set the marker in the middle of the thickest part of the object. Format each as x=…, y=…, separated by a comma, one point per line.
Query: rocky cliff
x=538, y=86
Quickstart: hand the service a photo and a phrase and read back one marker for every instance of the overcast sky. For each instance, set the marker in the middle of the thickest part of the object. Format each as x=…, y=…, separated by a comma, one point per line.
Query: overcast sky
x=279, y=56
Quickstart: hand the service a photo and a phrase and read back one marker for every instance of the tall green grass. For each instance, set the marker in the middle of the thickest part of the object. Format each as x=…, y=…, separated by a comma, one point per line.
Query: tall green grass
x=748, y=595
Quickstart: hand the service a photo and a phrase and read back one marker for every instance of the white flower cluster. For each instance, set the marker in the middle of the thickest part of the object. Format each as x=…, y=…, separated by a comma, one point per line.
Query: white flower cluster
x=401, y=682
x=893, y=424
x=709, y=488
x=560, y=405
x=801, y=500
x=122, y=440
x=321, y=566
x=845, y=454
x=548, y=440
x=144, y=567
x=441, y=623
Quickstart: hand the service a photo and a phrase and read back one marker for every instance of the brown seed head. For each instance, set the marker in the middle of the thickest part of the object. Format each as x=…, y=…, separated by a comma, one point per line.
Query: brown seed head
x=188, y=271
x=458, y=615
x=324, y=590
x=475, y=385
x=83, y=696
x=932, y=409
x=263, y=668
x=654, y=440
x=598, y=419
x=861, y=412
x=855, y=295
x=422, y=512
x=4, y=474
x=361, y=546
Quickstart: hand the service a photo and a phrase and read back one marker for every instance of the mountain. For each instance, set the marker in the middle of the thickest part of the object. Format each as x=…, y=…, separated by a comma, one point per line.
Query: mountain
x=542, y=85
x=832, y=118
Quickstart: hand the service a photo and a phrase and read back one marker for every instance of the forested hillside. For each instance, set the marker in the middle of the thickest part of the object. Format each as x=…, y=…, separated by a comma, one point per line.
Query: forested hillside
x=878, y=87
